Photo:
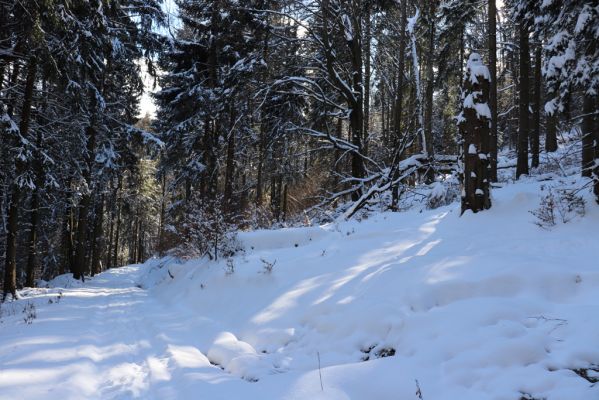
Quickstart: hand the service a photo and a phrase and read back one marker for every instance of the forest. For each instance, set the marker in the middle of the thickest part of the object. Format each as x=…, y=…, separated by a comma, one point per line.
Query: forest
x=269, y=114
x=299, y=199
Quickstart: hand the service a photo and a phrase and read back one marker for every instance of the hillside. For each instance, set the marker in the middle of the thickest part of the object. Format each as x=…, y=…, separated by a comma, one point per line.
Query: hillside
x=486, y=306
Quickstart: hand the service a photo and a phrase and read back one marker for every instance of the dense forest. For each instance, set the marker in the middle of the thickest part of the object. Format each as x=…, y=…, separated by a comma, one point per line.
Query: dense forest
x=269, y=112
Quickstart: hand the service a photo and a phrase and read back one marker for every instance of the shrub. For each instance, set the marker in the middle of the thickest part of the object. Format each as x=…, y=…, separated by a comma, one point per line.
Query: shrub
x=562, y=206
x=205, y=230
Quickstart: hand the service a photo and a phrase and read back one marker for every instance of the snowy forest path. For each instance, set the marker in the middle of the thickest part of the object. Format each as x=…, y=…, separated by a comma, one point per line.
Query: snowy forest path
x=107, y=338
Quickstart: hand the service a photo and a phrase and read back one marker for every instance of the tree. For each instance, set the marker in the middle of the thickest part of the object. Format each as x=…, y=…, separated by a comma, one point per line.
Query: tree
x=524, y=103
x=492, y=26
x=474, y=127
x=572, y=53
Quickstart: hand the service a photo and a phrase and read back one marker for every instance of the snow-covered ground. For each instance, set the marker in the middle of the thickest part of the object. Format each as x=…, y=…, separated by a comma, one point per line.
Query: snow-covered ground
x=486, y=306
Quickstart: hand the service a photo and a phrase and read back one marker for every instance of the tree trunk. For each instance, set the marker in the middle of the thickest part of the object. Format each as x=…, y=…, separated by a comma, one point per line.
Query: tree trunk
x=67, y=236
x=536, y=116
x=551, y=132
x=140, y=243
x=474, y=128
x=588, y=135
x=161, y=244
x=367, y=72
x=398, y=107
x=10, y=266
x=356, y=104
x=34, y=214
x=285, y=202
x=117, y=228
x=596, y=170
x=492, y=26
x=229, y=171
x=523, y=109
x=98, y=237
x=32, y=256
x=84, y=204
x=430, y=82
x=259, y=177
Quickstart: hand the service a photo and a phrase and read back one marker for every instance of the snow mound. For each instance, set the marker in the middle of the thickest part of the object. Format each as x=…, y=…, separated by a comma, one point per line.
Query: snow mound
x=237, y=357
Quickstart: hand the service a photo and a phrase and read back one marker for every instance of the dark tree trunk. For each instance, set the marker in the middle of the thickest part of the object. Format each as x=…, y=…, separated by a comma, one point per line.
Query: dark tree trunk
x=81, y=261
x=10, y=266
x=428, y=101
x=229, y=171
x=398, y=107
x=140, y=243
x=356, y=117
x=523, y=111
x=259, y=178
x=10, y=263
x=32, y=251
x=98, y=237
x=588, y=135
x=67, y=234
x=551, y=132
x=285, y=202
x=536, y=116
x=596, y=170
x=492, y=26
x=34, y=214
x=161, y=244
x=475, y=136
x=117, y=228
x=367, y=72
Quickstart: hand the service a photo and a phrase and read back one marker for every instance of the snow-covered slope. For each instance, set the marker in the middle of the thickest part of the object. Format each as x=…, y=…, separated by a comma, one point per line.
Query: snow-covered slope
x=486, y=306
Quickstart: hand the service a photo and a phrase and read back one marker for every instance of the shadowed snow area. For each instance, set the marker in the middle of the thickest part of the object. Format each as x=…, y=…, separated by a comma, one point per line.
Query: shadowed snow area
x=485, y=306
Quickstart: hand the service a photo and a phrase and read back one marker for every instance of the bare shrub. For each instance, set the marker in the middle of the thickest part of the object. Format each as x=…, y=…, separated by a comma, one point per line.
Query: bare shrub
x=558, y=206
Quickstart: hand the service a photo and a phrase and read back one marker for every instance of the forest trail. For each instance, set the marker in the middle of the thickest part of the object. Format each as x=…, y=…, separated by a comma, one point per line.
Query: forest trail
x=107, y=338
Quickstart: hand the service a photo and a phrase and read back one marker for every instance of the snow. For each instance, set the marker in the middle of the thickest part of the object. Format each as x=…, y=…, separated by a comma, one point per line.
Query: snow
x=476, y=68
x=471, y=313
x=583, y=18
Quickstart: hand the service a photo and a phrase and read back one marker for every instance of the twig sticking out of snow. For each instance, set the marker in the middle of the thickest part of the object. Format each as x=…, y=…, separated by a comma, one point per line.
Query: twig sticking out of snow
x=319, y=371
x=418, y=390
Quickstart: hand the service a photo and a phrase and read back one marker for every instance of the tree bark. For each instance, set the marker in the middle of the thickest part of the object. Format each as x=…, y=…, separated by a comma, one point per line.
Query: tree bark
x=474, y=128
x=596, y=170
x=80, y=265
x=117, y=228
x=259, y=178
x=67, y=233
x=398, y=107
x=356, y=104
x=34, y=214
x=588, y=135
x=10, y=266
x=430, y=82
x=492, y=26
x=98, y=237
x=523, y=111
x=229, y=170
x=536, y=116
x=367, y=72
x=550, y=132
x=161, y=244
